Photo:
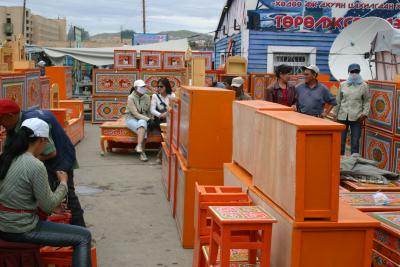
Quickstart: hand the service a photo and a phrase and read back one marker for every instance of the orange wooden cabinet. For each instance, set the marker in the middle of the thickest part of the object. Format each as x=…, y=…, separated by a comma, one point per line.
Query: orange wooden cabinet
x=297, y=163
x=173, y=182
x=170, y=125
x=63, y=77
x=244, y=116
x=166, y=169
x=345, y=243
x=206, y=127
x=185, y=195
x=176, y=110
x=387, y=238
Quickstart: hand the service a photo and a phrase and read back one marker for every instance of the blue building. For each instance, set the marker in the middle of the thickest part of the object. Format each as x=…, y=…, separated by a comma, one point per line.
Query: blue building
x=269, y=33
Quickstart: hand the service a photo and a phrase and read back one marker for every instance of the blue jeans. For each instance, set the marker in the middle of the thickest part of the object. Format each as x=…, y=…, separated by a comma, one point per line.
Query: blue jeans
x=58, y=235
x=355, y=127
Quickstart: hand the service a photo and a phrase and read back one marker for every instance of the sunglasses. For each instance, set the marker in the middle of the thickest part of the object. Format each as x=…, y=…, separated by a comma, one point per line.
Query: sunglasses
x=355, y=71
x=160, y=86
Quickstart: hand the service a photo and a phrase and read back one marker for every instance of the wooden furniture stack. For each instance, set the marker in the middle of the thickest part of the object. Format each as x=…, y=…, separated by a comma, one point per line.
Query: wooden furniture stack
x=294, y=176
x=205, y=143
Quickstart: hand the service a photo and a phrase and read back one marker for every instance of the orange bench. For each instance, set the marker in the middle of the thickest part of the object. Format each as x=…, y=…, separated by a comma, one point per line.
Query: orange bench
x=117, y=135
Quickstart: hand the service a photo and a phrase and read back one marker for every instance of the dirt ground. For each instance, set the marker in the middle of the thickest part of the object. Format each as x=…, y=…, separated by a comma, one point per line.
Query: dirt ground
x=129, y=218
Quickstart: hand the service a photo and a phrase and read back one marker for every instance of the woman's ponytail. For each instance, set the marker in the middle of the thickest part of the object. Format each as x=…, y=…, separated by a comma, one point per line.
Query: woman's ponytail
x=19, y=146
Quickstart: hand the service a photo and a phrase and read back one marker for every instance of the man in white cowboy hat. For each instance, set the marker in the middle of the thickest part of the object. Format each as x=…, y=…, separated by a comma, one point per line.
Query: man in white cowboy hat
x=313, y=96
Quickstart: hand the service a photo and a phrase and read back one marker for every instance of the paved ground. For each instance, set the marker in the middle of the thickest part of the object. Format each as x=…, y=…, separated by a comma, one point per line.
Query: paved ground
x=130, y=218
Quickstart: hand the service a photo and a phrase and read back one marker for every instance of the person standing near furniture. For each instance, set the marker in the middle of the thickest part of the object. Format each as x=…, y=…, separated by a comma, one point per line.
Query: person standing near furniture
x=24, y=189
x=353, y=107
x=59, y=154
x=138, y=115
x=237, y=86
x=280, y=91
x=313, y=96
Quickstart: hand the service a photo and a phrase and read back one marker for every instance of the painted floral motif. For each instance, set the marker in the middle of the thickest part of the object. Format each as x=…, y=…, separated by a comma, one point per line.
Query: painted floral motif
x=108, y=110
x=357, y=199
x=114, y=83
x=378, y=148
x=382, y=105
x=241, y=213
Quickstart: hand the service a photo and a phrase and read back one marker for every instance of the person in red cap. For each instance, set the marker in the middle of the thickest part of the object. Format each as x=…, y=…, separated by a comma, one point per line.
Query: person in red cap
x=58, y=155
x=8, y=109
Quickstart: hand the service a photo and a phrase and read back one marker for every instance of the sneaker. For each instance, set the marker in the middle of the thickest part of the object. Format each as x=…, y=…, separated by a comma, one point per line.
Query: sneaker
x=143, y=157
x=139, y=148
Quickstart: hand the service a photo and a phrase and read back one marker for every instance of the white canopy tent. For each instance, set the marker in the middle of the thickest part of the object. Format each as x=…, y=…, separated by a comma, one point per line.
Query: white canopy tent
x=105, y=56
x=386, y=48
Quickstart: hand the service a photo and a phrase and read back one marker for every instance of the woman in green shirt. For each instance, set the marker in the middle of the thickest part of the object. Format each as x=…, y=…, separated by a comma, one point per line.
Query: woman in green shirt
x=24, y=188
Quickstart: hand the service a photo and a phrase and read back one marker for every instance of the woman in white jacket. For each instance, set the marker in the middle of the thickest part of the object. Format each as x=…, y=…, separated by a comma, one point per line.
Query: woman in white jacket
x=160, y=101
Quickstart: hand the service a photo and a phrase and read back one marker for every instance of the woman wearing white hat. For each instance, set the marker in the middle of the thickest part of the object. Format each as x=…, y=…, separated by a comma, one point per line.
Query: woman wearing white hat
x=139, y=115
x=24, y=189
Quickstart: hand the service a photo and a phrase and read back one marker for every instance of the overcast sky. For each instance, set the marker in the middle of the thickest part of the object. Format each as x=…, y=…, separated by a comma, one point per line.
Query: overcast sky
x=98, y=16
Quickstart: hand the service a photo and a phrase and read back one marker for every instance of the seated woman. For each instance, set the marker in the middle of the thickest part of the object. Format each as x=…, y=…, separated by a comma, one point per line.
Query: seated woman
x=138, y=115
x=160, y=101
x=24, y=189
x=281, y=91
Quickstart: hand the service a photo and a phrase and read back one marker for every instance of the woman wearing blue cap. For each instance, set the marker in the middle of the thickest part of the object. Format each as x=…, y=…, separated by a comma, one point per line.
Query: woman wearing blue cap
x=353, y=105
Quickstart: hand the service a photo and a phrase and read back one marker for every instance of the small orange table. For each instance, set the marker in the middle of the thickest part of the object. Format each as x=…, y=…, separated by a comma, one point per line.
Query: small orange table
x=228, y=222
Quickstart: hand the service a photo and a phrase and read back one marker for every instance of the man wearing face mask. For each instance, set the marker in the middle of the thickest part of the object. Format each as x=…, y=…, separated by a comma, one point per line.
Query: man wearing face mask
x=353, y=105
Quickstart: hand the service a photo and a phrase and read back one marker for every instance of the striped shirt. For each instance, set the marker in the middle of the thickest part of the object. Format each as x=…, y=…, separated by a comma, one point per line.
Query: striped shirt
x=26, y=187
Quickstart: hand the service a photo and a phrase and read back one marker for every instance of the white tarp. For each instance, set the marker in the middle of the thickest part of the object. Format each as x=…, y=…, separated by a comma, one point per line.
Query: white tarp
x=387, y=41
x=386, y=48
x=105, y=56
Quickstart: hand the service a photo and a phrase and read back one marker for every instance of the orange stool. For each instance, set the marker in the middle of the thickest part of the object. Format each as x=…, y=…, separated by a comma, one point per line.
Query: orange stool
x=212, y=196
x=62, y=256
x=232, y=222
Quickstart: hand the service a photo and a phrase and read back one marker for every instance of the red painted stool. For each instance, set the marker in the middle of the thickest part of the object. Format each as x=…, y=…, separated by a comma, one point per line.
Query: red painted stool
x=19, y=254
x=62, y=256
x=206, y=196
x=232, y=222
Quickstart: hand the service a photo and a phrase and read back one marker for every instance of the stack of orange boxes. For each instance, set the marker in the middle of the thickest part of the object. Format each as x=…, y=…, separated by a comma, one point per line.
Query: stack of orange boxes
x=205, y=143
x=291, y=168
x=167, y=151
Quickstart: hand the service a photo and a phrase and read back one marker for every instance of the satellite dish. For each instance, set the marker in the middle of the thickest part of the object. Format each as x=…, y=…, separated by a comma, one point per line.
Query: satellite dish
x=353, y=44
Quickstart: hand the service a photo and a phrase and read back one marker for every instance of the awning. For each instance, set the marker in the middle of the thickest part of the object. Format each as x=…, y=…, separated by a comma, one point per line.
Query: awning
x=105, y=56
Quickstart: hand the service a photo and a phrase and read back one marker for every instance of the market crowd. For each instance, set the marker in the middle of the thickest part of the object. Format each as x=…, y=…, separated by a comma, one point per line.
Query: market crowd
x=38, y=162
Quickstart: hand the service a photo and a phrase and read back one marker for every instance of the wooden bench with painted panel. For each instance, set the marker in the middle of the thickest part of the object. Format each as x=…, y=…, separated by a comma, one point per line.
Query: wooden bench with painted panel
x=298, y=163
x=117, y=135
x=244, y=143
x=352, y=186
